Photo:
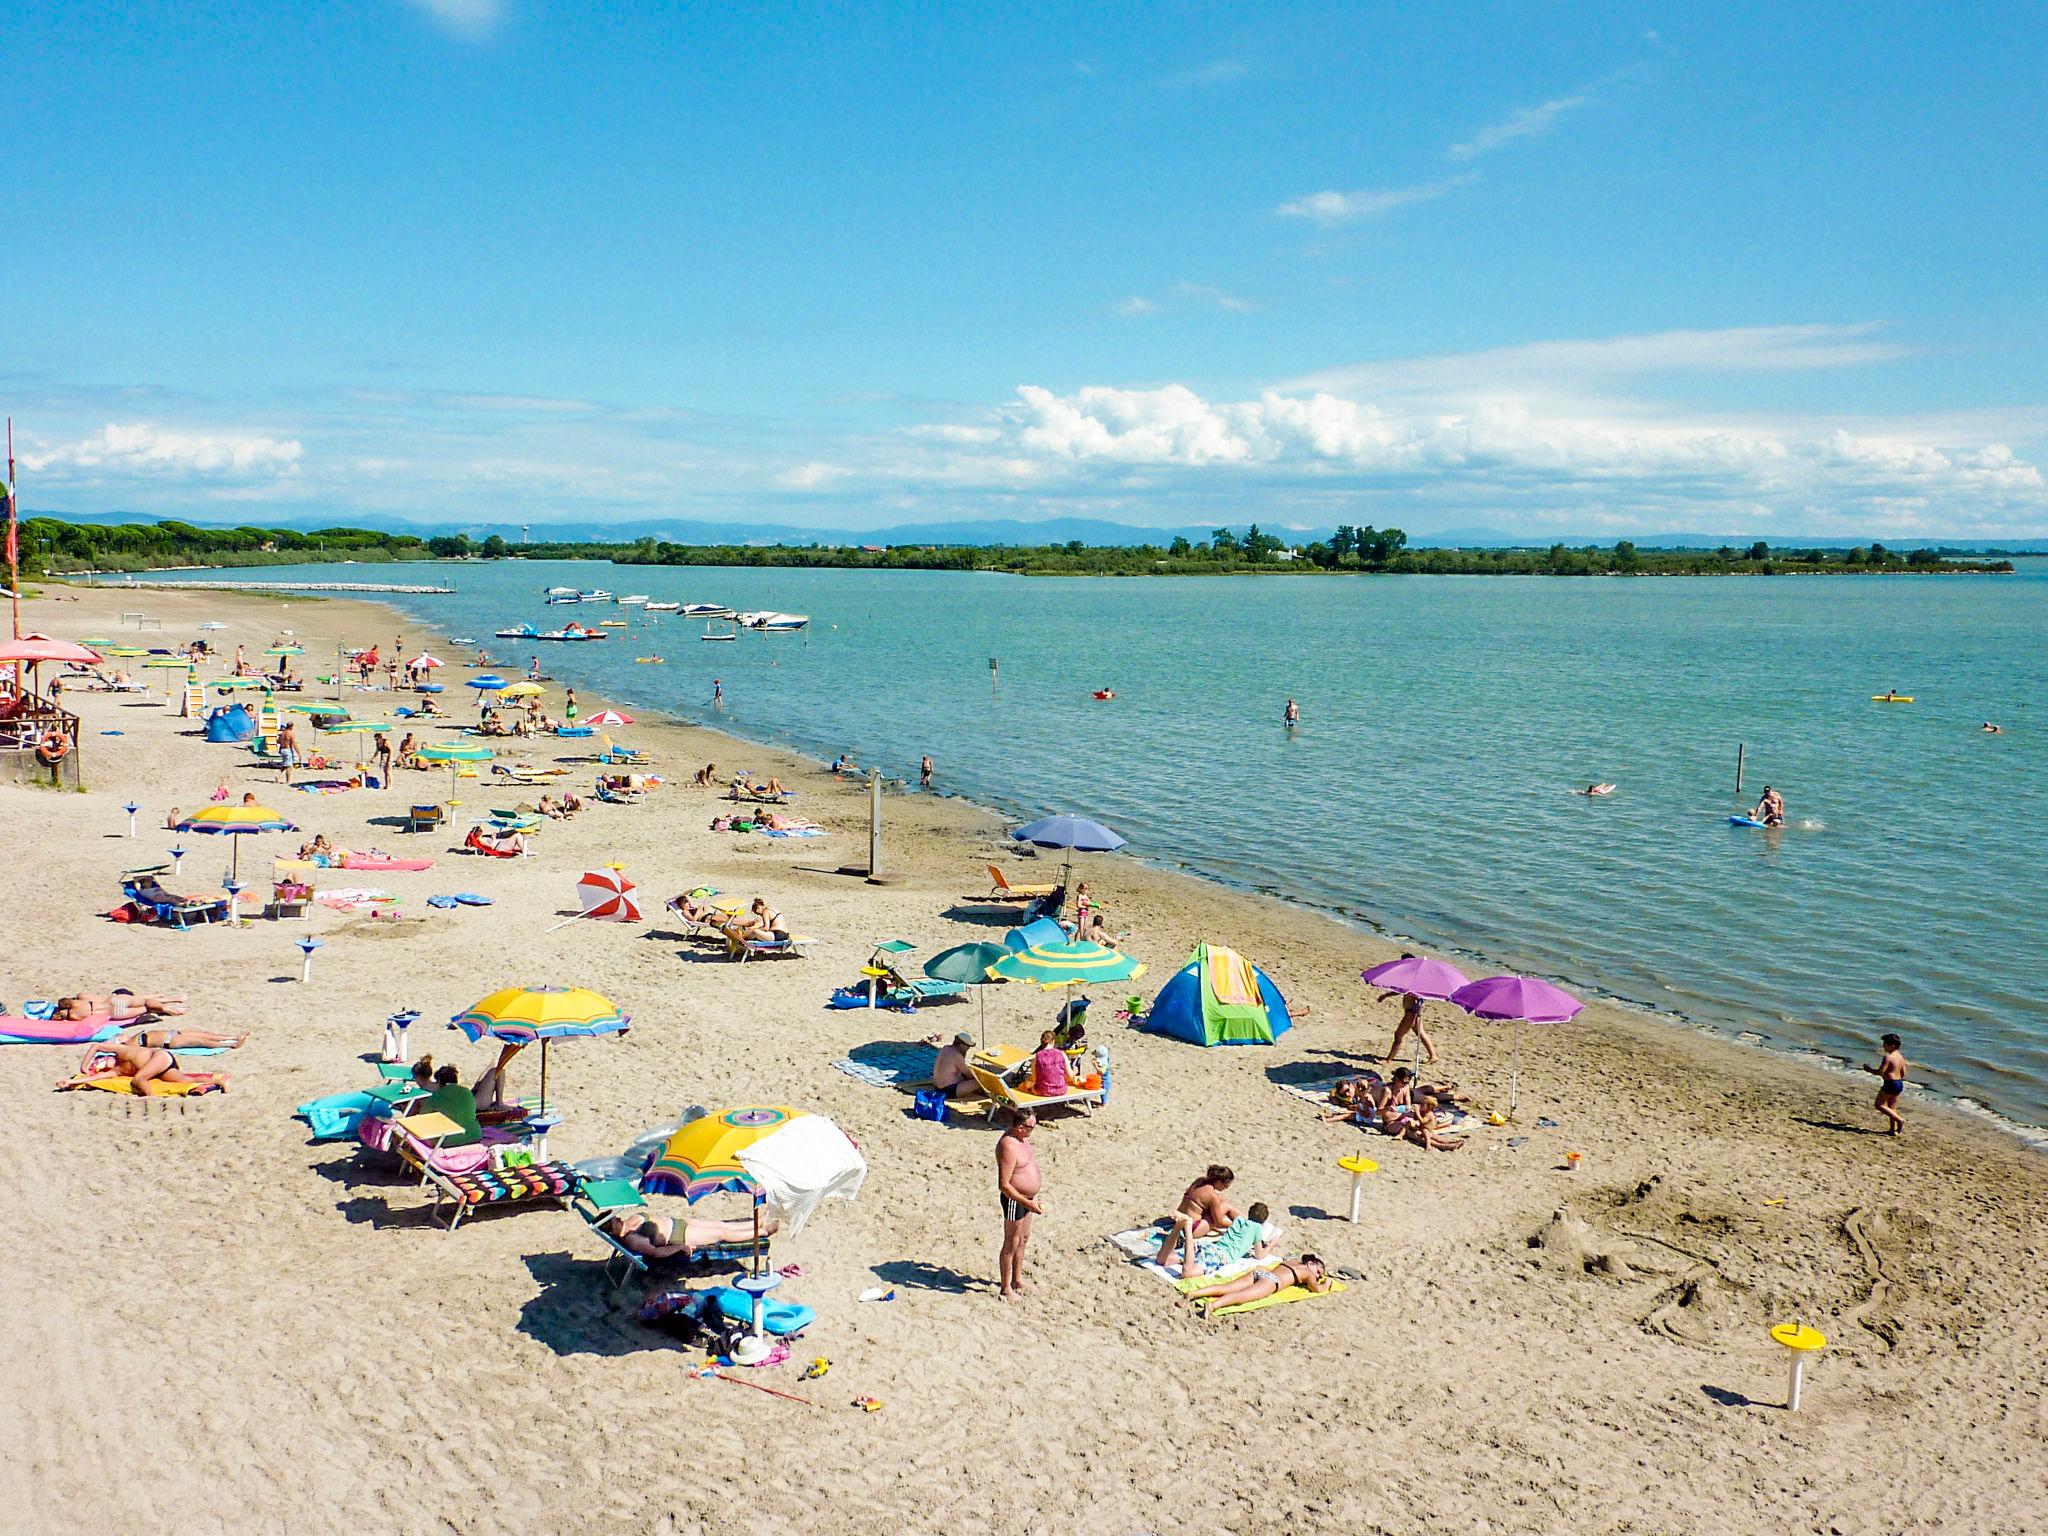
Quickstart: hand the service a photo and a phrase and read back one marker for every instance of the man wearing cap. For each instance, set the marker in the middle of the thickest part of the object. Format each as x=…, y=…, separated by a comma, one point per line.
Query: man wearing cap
x=950, y=1072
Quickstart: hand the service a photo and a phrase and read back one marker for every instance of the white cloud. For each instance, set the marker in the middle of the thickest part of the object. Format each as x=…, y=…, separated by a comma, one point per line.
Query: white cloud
x=1527, y=123
x=470, y=20
x=1330, y=209
x=1184, y=295
x=1137, y=306
x=811, y=477
x=140, y=448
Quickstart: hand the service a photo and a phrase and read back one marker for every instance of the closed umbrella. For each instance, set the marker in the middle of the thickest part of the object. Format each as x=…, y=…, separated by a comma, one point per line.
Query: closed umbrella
x=1520, y=999
x=522, y=1015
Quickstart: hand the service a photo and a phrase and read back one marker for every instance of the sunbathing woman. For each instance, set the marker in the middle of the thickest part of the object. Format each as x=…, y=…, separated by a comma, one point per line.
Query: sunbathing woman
x=1306, y=1272
x=122, y=1006
x=655, y=1237
x=691, y=910
x=142, y=1063
x=167, y=1038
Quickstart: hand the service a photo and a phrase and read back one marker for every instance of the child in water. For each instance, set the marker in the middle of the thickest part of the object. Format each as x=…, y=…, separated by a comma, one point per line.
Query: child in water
x=1891, y=1074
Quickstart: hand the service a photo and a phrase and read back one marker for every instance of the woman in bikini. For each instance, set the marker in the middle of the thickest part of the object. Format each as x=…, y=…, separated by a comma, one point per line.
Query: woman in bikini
x=164, y=1038
x=1306, y=1272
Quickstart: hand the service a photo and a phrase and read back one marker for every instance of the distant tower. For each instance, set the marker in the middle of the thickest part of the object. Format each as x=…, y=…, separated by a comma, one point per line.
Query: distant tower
x=524, y=530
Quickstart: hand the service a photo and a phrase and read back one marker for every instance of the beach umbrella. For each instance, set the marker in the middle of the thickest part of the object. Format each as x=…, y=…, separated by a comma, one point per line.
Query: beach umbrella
x=606, y=896
x=1418, y=977
x=236, y=821
x=1519, y=999
x=453, y=753
x=780, y=1156
x=608, y=717
x=1074, y=834
x=968, y=964
x=522, y=1015
x=284, y=650
x=1065, y=964
x=228, y=684
x=520, y=690
x=125, y=652
x=167, y=664
x=424, y=660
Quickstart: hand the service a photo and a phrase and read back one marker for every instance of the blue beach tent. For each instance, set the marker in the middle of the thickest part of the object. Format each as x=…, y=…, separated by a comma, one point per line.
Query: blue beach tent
x=235, y=722
x=1219, y=998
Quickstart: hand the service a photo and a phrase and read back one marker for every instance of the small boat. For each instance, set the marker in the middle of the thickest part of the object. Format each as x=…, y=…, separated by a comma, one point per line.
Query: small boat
x=594, y=595
x=711, y=632
x=518, y=632
x=647, y=661
x=637, y=600
x=573, y=632
x=774, y=623
x=612, y=623
x=664, y=607
x=462, y=640
x=706, y=611
x=1891, y=698
x=562, y=595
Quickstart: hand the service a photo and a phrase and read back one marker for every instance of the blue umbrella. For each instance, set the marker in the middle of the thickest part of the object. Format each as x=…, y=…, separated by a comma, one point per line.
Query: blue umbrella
x=1074, y=832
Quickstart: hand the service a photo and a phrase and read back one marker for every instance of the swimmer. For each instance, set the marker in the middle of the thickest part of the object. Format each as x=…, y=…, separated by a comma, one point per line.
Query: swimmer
x=1597, y=789
x=1992, y=730
x=1770, y=808
x=1292, y=714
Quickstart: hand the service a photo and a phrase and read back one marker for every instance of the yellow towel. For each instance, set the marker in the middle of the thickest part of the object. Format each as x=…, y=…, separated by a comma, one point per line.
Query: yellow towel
x=118, y=1084
x=1290, y=1293
x=1232, y=978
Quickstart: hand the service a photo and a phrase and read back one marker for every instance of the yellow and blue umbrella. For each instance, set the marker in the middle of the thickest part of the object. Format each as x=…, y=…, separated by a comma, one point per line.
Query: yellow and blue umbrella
x=522, y=1015
x=703, y=1158
x=235, y=821
x=1066, y=965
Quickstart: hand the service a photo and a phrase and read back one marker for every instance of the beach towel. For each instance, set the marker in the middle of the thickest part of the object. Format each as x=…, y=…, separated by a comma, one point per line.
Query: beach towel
x=32, y=1031
x=201, y=1082
x=338, y=1114
x=1233, y=979
x=888, y=1064
x=1141, y=1244
x=353, y=900
x=795, y=832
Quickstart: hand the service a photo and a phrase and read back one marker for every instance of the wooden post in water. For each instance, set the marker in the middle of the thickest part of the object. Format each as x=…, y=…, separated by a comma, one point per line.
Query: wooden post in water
x=1738, y=770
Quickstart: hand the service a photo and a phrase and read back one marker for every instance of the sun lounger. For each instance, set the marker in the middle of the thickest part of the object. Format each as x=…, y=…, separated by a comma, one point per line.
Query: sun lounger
x=1004, y=891
x=479, y=1186
x=169, y=908
x=744, y=949
x=599, y=1200
x=1003, y=1095
x=478, y=841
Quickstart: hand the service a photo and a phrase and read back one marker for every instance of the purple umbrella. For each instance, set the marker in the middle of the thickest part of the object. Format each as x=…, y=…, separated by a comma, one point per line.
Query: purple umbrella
x=1518, y=998
x=1412, y=973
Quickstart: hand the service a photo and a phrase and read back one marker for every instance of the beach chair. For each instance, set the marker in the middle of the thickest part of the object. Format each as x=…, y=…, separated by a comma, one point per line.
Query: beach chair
x=476, y=843
x=599, y=1200
x=744, y=949
x=1003, y=1095
x=170, y=909
x=289, y=898
x=472, y=1188
x=425, y=818
x=1004, y=891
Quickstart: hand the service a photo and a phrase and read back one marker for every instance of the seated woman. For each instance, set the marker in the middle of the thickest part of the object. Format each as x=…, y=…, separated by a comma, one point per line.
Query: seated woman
x=1420, y=1127
x=458, y=1103
x=427, y=706
x=550, y=807
x=763, y=921
x=705, y=774
x=655, y=1237
x=1048, y=1068
x=489, y=1092
x=1306, y=1272
x=571, y=802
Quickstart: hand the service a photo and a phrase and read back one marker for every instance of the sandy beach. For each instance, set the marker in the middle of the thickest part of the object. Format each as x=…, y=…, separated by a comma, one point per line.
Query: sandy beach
x=219, y=1325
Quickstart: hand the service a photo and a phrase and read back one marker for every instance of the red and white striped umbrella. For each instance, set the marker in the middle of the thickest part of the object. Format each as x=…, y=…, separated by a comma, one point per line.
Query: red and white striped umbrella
x=608, y=717
x=607, y=896
x=424, y=660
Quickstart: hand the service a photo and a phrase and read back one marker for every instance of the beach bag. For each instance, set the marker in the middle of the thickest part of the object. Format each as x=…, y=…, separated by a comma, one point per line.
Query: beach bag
x=930, y=1104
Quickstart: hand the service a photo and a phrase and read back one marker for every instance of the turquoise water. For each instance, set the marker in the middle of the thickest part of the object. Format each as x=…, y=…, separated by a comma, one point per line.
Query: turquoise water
x=1445, y=722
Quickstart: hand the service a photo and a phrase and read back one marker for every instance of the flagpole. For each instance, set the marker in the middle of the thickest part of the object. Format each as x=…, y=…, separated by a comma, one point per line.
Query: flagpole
x=13, y=537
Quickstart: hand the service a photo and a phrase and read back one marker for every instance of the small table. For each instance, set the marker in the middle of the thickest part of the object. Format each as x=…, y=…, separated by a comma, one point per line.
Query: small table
x=755, y=1346
x=1000, y=1058
x=538, y=1127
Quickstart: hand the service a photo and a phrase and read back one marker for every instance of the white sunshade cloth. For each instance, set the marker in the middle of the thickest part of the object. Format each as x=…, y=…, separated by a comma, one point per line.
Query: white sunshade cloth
x=807, y=1162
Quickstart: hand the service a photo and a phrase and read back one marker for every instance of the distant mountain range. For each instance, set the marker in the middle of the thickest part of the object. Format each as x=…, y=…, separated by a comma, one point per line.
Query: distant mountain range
x=1058, y=530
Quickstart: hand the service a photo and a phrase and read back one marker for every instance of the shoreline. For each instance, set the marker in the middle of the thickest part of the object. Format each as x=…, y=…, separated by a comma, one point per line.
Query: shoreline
x=1368, y=927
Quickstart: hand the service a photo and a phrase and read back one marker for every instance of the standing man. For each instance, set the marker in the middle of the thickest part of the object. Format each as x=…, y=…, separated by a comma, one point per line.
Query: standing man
x=287, y=750
x=924, y=772
x=1017, y=1184
x=1292, y=716
x=717, y=693
x=382, y=753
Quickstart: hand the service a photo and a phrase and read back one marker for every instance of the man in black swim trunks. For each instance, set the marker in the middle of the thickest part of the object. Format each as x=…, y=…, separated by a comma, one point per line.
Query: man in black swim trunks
x=1017, y=1185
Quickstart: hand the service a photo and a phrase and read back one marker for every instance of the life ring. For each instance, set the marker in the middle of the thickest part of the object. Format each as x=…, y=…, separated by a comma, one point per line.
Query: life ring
x=54, y=747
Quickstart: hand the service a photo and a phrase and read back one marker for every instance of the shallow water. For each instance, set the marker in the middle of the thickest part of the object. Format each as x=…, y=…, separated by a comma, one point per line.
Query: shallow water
x=1446, y=721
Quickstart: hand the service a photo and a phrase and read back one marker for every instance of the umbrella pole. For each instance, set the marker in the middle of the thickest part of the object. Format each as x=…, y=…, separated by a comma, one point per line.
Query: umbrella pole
x=543, y=1076
x=1514, y=1066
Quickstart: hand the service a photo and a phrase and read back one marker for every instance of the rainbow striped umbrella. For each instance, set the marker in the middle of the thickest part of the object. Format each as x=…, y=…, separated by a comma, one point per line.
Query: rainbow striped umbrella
x=235, y=821
x=1066, y=965
x=703, y=1158
x=522, y=1015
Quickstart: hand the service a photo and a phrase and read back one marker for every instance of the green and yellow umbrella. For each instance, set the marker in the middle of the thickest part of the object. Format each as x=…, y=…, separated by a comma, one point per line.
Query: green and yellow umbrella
x=1066, y=965
x=522, y=1015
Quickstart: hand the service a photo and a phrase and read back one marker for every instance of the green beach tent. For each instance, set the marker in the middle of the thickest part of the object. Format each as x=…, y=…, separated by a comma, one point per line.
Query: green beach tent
x=1219, y=998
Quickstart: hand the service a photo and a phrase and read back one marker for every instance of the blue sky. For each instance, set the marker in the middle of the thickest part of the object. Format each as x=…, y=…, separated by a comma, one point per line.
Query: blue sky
x=1593, y=268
